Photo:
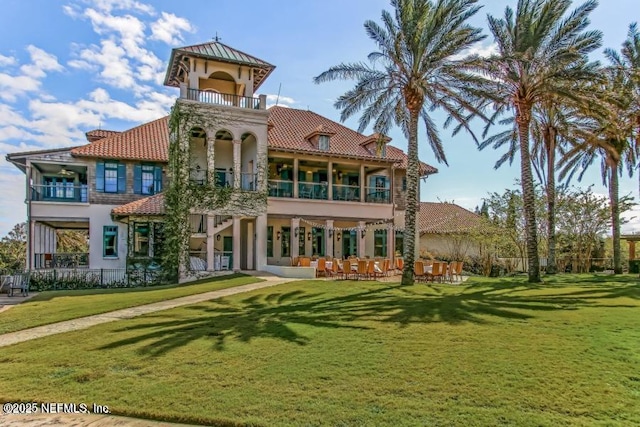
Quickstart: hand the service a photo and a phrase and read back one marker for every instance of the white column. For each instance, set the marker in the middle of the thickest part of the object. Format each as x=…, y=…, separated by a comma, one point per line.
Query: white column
x=329, y=239
x=236, y=243
x=361, y=239
x=391, y=239
x=236, y=163
x=211, y=221
x=362, y=184
x=295, y=247
x=261, y=241
x=296, y=167
x=330, y=180
x=211, y=156
x=250, y=248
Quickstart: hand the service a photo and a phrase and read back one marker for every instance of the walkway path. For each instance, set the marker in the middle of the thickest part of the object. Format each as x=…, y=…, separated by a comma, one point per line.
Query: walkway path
x=128, y=313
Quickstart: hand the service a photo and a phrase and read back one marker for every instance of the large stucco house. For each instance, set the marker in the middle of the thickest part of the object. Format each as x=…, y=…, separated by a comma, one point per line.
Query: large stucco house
x=297, y=183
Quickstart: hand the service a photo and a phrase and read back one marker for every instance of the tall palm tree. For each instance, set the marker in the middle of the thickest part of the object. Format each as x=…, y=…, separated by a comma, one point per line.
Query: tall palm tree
x=552, y=126
x=613, y=134
x=542, y=54
x=419, y=71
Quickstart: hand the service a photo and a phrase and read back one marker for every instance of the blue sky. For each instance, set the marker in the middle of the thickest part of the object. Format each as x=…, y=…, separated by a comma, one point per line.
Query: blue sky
x=67, y=67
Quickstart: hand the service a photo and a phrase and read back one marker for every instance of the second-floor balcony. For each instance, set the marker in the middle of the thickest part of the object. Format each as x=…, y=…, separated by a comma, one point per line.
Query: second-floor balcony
x=313, y=190
x=280, y=188
x=225, y=99
x=63, y=192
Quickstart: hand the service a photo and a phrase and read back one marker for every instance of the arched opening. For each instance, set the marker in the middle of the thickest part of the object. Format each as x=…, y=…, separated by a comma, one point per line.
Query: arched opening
x=221, y=82
x=198, y=155
x=249, y=162
x=224, y=158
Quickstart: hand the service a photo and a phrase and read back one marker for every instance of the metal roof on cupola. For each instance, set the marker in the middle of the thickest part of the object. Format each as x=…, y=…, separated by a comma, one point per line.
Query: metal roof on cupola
x=215, y=51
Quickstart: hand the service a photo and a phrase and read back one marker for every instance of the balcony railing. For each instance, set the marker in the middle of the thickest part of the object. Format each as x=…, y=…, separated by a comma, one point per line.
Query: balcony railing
x=280, y=188
x=249, y=181
x=59, y=193
x=349, y=193
x=313, y=190
x=377, y=195
x=228, y=99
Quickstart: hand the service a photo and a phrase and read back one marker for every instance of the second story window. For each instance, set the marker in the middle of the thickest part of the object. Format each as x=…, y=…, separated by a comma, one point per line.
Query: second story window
x=323, y=142
x=147, y=179
x=111, y=177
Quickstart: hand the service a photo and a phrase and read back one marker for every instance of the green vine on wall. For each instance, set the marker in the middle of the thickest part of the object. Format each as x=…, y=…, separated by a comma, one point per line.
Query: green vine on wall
x=183, y=197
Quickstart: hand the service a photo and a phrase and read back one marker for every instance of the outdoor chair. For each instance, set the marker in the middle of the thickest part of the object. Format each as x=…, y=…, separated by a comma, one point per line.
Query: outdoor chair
x=320, y=269
x=305, y=262
x=294, y=261
x=20, y=282
x=346, y=269
x=437, y=271
x=419, y=272
x=457, y=272
x=399, y=264
x=362, y=270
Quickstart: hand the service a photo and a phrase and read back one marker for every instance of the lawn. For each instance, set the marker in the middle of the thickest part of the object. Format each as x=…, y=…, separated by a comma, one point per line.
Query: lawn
x=56, y=306
x=488, y=352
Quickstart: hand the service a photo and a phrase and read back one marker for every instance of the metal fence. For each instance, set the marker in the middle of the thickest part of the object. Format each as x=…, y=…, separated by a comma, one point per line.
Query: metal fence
x=85, y=278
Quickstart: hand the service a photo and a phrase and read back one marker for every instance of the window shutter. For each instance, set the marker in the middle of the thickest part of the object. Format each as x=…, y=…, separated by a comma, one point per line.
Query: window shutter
x=100, y=177
x=137, y=179
x=122, y=178
x=157, y=179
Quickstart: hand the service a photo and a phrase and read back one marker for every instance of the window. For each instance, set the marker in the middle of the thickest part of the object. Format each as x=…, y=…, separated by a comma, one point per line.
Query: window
x=404, y=183
x=141, y=238
x=147, y=179
x=285, y=242
x=301, y=244
x=399, y=243
x=270, y=241
x=323, y=142
x=111, y=177
x=380, y=243
x=110, y=241
x=317, y=241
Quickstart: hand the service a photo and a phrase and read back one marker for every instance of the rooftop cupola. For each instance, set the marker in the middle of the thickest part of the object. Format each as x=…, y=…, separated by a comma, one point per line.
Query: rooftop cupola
x=215, y=73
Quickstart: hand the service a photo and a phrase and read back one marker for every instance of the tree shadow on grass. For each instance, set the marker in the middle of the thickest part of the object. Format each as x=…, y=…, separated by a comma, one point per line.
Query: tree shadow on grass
x=276, y=314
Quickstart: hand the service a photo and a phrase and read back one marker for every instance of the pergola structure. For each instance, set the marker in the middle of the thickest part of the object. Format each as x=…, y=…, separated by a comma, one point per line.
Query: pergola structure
x=631, y=239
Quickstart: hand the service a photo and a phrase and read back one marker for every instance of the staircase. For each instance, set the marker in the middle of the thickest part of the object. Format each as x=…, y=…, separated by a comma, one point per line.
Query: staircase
x=222, y=222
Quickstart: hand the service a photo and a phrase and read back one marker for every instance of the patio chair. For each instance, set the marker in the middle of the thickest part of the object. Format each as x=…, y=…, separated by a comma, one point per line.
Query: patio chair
x=362, y=270
x=399, y=264
x=346, y=269
x=386, y=266
x=294, y=261
x=305, y=262
x=437, y=270
x=419, y=272
x=20, y=282
x=457, y=272
x=320, y=269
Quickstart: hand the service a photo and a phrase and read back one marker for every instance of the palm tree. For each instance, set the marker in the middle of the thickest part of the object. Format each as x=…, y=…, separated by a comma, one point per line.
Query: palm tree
x=552, y=126
x=542, y=55
x=420, y=71
x=613, y=133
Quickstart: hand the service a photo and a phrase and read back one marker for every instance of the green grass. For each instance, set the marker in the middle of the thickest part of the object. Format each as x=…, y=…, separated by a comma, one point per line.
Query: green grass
x=488, y=352
x=56, y=306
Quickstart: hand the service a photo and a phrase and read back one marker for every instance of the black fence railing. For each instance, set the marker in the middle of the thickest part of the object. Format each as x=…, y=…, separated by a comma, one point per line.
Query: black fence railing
x=229, y=99
x=81, y=278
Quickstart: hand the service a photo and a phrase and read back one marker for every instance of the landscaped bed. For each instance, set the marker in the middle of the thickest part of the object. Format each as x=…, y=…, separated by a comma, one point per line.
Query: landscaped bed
x=487, y=352
x=56, y=306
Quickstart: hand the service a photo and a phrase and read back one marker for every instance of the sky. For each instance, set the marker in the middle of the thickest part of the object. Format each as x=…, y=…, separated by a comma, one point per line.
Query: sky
x=67, y=67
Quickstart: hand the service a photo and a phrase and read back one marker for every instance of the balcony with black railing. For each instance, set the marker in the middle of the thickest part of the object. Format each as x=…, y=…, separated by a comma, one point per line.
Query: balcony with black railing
x=59, y=193
x=225, y=99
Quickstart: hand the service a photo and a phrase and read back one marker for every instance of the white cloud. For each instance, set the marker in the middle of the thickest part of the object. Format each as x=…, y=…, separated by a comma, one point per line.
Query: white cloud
x=479, y=49
x=169, y=28
x=41, y=62
x=7, y=60
x=282, y=101
x=109, y=5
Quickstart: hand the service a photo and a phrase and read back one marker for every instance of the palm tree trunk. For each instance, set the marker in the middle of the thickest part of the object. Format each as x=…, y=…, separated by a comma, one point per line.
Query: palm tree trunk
x=413, y=171
x=615, y=217
x=523, y=119
x=551, y=202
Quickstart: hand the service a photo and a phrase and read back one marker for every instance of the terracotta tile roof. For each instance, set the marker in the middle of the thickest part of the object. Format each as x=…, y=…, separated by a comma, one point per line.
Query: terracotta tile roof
x=152, y=205
x=97, y=134
x=291, y=128
x=288, y=129
x=149, y=142
x=442, y=218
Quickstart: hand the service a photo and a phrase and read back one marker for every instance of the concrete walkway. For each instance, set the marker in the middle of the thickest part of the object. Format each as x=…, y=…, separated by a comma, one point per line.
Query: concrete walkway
x=128, y=313
x=79, y=420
